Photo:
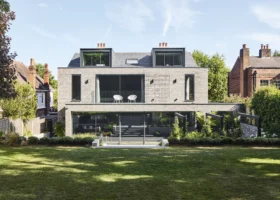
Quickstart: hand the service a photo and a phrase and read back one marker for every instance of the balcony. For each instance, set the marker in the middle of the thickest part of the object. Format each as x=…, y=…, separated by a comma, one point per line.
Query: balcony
x=123, y=86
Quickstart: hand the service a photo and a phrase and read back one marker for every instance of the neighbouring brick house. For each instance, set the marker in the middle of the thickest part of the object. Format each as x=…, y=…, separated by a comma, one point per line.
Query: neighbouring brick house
x=132, y=94
x=251, y=72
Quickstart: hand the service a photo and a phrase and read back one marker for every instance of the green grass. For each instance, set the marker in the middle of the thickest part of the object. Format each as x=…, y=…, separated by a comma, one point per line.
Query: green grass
x=175, y=173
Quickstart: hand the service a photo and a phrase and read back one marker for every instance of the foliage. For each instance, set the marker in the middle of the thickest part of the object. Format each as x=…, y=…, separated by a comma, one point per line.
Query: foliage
x=83, y=141
x=59, y=129
x=23, y=106
x=201, y=119
x=55, y=99
x=66, y=140
x=1, y=134
x=206, y=130
x=207, y=141
x=156, y=133
x=12, y=139
x=217, y=75
x=276, y=53
x=266, y=103
x=44, y=140
x=84, y=135
x=28, y=133
x=238, y=99
x=33, y=140
x=194, y=134
x=176, y=131
x=40, y=68
x=7, y=70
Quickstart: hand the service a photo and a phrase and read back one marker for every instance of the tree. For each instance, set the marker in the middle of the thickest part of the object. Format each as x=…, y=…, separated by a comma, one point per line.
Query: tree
x=217, y=75
x=176, y=131
x=276, y=53
x=40, y=68
x=7, y=71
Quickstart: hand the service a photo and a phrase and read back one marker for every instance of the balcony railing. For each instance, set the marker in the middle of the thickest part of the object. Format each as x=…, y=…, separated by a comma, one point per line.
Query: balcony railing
x=107, y=96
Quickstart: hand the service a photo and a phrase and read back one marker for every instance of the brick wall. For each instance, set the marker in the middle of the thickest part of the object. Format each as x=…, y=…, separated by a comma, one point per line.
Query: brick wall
x=234, y=78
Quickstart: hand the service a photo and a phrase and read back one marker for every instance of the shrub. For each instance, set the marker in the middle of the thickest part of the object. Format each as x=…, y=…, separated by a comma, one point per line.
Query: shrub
x=66, y=140
x=59, y=129
x=176, y=131
x=83, y=135
x=88, y=140
x=54, y=141
x=1, y=134
x=33, y=140
x=194, y=134
x=206, y=130
x=12, y=139
x=44, y=140
x=156, y=133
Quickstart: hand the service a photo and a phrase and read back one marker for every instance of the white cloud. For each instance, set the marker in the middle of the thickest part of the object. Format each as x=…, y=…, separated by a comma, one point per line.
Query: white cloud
x=43, y=33
x=263, y=38
x=178, y=14
x=42, y=5
x=268, y=14
x=132, y=15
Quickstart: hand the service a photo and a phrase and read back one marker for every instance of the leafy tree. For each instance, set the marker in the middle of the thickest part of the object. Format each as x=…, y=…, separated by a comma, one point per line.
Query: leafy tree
x=217, y=75
x=7, y=71
x=276, y=53
x=40, y=68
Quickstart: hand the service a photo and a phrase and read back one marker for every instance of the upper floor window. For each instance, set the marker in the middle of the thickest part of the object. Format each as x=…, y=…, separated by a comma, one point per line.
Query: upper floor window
x=96, y=59
x=76, y=87
x=189, y=86
x=169, y=59
x=264, y=82
x=41, y=100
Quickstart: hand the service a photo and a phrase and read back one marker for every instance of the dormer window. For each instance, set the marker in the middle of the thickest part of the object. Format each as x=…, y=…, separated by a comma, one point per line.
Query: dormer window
x=131, y=61
x=96, y=57
x=168, y=57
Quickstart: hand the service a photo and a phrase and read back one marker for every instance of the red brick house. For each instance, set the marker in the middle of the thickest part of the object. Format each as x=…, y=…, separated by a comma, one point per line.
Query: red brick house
x=43, y=90
x=251, y=72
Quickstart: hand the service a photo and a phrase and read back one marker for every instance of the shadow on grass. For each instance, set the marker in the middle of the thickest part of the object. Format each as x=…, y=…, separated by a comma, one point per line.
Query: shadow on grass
x=175, y=173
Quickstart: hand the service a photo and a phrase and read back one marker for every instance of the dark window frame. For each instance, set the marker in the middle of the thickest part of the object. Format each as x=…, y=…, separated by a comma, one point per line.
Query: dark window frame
x=169, y=50
x=185, y=91
x=95, y=50
x=72, y=97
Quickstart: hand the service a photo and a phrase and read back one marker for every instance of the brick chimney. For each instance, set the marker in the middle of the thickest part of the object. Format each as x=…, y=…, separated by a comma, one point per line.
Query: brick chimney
x=163, y=44
x=101, y=45
x=32, y=73
x=244, y=63
x=265, y=51
x=46, y=75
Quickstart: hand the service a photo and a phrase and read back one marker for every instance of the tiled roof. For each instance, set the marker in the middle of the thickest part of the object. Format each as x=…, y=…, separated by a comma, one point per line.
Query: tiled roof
x=264, y=62
x=144, y=59
x=22, y=75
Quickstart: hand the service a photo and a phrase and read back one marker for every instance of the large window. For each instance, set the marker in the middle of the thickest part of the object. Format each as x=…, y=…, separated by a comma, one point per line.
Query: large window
x=96, y=59
x=169, y=59
x=276, y=83
x=189, y=85
x=264, y=82
x=76, y=87
x=41, y=100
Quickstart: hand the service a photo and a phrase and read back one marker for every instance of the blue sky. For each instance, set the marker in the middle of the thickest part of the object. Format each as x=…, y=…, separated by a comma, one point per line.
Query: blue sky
x=51, y=31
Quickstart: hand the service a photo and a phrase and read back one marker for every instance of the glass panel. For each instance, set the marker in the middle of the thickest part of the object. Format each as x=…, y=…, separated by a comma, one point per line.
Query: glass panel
x=109, y=86
x=159, y=59
x=96, y=59
x=168, y=59
x=178, y=59
x=76, y=87
x=189, y=87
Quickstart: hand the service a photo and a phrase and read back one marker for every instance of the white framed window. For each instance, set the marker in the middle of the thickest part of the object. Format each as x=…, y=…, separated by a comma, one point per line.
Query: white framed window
x=41, y=100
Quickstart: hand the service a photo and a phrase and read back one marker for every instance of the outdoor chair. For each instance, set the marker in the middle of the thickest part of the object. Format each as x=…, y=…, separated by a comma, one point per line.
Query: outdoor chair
x=118, y=98
x=132, y=98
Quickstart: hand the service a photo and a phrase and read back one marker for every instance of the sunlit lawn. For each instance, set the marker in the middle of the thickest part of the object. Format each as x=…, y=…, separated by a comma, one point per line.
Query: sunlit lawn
x=175, y=173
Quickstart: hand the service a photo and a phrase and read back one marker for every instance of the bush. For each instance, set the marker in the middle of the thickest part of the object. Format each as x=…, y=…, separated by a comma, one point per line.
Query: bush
x=84, y=135
x=176, y=131
x=156, y=133
x=44, y=140
x=206, y=130
x=54, y=141
x=66, y=140
x=1, y=134
x=12, y=139
x=194, y=134
x=59, y=129
x=33, y=140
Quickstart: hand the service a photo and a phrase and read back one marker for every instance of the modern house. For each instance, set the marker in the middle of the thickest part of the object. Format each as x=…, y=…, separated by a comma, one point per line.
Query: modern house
x=132, y=94
x=251, y=72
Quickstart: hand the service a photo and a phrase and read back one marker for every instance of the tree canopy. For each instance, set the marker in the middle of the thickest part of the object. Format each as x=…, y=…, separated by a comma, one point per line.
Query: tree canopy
x=276, y=53
x=217, y=75
x=7, y=71
x=40, y=68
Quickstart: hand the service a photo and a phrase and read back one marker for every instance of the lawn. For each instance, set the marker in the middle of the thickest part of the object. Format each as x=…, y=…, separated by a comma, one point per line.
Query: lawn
x=174, y=173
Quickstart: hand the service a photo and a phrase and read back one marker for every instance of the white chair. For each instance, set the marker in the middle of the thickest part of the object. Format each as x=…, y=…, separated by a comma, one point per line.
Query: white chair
x=132, y=98
x=117, y=98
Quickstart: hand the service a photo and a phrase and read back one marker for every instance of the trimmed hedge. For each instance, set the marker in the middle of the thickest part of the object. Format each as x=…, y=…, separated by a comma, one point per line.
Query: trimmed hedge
x=206, y=141
x=33, y=140
x=67, y=141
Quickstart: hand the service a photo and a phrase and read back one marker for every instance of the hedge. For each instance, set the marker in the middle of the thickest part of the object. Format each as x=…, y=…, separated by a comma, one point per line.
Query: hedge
x=66, y=140
x=205, y=141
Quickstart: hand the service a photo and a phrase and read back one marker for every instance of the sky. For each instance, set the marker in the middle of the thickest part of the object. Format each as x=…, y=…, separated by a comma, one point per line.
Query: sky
x=51, y=31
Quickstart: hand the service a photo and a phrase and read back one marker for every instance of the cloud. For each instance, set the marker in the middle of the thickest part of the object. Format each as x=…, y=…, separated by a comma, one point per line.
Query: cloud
x=178, y=14
x=263, y=38
x=131, y=15
x=268, y=14
x=42, y=5
x=43, y=33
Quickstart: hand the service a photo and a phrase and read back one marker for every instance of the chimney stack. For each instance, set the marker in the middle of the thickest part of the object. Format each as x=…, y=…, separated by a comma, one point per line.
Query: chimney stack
x=265, y=51
x=163, y=44
x=46, y=75
x=101, y=45
x=32, y=73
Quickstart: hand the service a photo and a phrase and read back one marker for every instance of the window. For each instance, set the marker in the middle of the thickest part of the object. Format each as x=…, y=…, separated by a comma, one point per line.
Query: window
x=76, y=87
x=169, y=59
x=276, y=83
x=41, y=100
x=132, y=61
x=189, y=93
x=96, y=59
x=264, y=82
